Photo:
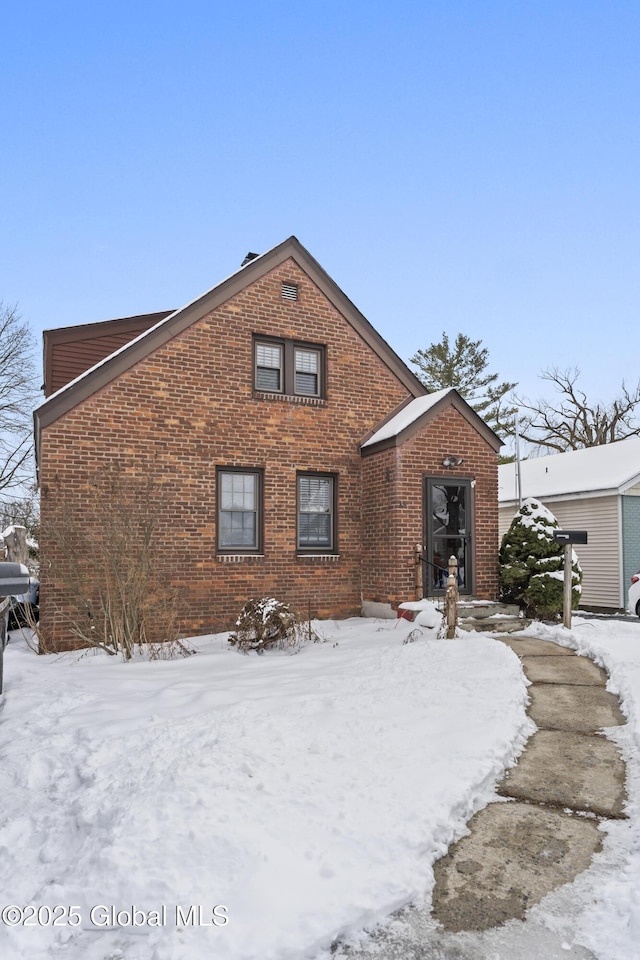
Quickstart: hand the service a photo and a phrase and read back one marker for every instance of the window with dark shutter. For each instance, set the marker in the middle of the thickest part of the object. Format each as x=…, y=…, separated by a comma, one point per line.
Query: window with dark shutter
x=289, y=367
x=307, y=372
x=316, y=513
x=269, y=367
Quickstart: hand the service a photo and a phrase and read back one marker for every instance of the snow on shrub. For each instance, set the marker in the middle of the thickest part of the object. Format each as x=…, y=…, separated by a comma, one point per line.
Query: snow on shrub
x=532, y=563
x=269, y=623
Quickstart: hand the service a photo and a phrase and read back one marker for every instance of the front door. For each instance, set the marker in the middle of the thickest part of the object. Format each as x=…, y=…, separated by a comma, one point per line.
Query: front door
x=448, y=516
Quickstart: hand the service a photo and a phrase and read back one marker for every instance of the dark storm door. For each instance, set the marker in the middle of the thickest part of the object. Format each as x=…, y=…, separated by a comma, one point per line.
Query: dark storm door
x=448, y=514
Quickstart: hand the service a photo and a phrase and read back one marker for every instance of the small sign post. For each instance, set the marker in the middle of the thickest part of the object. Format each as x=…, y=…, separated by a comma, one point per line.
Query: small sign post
x=568, y=538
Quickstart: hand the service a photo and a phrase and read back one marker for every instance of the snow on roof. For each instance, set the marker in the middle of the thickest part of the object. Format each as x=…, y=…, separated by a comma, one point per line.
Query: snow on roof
x=609, y=467
x=406, y=416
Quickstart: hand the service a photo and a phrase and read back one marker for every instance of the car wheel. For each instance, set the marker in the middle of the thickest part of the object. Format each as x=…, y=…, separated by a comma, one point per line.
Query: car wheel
x=638, y=609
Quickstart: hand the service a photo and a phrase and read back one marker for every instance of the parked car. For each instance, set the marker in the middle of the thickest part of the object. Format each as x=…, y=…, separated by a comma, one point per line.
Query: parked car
x=25, y=609
x=13, y=576
x=633, y=604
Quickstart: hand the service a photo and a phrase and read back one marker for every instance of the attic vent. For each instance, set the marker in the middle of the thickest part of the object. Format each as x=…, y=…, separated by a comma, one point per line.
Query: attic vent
x=289, y=291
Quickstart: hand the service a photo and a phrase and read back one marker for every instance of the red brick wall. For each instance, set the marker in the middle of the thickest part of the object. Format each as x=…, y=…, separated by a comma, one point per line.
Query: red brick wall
x=394, y=506
x=188, y=408
x=381, y=517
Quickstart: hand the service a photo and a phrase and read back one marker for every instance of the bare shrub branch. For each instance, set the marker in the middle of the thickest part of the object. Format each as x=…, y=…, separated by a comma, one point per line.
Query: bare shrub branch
x=104, y=557
x=268, y=623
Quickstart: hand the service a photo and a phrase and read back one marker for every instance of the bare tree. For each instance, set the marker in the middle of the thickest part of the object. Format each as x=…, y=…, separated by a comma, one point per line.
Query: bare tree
x=18, y=394
x=573, y=422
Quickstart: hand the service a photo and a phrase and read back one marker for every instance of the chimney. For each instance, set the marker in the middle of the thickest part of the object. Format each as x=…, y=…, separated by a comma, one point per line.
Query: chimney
x=249, y=257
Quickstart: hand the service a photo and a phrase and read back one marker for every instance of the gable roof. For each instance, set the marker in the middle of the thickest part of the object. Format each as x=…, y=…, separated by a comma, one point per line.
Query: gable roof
x=122, y=359
x=414, y=415
x=595, y=471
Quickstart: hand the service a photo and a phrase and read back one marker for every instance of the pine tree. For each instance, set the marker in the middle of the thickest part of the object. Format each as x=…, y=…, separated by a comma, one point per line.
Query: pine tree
x=532, y=563
x=464, y=366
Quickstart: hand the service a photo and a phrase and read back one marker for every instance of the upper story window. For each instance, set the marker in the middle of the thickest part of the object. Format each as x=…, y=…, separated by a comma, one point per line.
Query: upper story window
x=269, y=367
x=289, y=367
x=307, y=371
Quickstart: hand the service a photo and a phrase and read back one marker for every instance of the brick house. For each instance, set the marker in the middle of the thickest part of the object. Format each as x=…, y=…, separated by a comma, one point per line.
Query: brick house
x=299, y=456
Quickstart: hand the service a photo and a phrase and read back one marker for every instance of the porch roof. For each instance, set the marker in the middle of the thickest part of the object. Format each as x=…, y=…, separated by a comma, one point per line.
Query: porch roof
x=417, y=412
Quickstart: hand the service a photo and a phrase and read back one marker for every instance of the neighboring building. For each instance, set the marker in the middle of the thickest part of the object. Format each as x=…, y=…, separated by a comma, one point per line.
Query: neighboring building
x=303, y=458
x=597, y=490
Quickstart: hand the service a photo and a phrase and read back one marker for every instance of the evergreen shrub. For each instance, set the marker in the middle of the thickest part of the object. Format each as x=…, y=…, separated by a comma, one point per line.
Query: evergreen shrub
x=532, y=564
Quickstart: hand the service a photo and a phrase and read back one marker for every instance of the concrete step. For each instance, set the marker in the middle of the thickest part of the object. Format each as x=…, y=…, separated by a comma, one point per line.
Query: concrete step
x=499, y=624
x=490, y=616
x=487, y=616
x=479, y=609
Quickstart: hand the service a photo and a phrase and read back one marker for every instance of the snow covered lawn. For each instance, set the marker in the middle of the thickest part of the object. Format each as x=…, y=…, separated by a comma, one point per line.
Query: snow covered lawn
x=308, y=794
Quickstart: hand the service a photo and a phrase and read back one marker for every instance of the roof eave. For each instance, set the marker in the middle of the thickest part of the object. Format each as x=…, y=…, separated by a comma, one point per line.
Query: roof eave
x=121, y=360
x=631, y=482
x=452, y=398
x=562, y=497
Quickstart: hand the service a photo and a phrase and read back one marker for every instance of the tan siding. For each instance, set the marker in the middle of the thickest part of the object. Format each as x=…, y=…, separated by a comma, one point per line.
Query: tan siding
x=600, y=557
x=505, y=516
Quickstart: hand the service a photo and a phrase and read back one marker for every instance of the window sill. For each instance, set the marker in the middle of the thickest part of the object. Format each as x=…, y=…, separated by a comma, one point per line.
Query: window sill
x=290, y=398
x=327, y=557
x=238, y=557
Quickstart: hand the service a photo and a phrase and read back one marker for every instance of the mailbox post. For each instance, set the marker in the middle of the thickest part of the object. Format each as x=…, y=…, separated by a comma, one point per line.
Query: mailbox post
x=568, y=538
x=14, y=580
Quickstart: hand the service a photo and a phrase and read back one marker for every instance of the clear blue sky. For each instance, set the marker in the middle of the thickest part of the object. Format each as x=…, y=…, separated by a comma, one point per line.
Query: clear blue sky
x=458, y=165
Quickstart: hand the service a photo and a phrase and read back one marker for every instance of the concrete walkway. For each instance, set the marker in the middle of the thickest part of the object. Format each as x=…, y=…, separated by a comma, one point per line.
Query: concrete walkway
x=568, y=778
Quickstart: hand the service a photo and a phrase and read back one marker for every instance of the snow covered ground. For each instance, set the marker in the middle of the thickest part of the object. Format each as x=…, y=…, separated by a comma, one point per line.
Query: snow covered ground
x=304, y=797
